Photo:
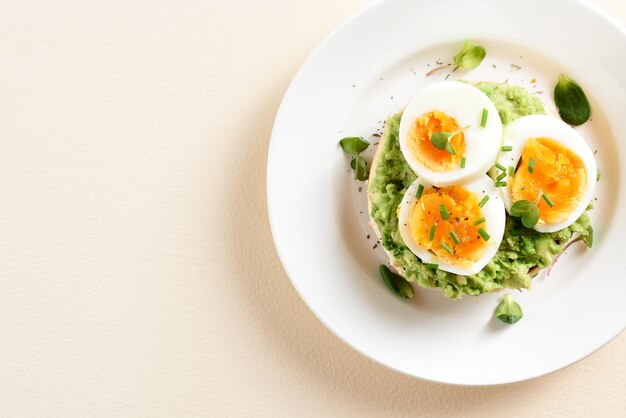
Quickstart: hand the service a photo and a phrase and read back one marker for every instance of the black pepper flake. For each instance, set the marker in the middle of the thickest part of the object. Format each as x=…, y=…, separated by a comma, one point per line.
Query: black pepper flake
x=456, y=218
x=595, y=152
x=353, y=85
x=360, y=189
x=439, y=62
x=494, y=65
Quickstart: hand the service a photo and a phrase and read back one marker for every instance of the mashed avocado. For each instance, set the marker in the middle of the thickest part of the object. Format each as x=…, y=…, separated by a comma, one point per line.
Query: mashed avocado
x=522, y=252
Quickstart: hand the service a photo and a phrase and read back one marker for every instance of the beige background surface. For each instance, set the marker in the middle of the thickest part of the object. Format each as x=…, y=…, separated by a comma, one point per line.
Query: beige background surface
x=137, y=271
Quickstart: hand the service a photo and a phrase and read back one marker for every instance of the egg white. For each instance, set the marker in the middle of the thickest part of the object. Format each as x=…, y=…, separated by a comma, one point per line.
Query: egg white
x=465, y=103
x=492, y=211
x=520, y=130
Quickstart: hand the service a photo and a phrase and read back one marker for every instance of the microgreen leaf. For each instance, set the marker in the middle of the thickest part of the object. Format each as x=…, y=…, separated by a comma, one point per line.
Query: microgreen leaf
x=527, y=211
x=361, y=171
x=449, y=149
x=509, y=311
x=531, y=217
x=353, y=145
x=571, y=101
x=441, y=140
x=396, y=283
x=470, y=56
x=520, y=207
x=467, y=46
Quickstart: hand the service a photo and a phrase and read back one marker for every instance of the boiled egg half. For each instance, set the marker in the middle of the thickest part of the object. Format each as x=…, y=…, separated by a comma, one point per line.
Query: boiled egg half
x=457, y=228
x=550, y=164
x=457, y=108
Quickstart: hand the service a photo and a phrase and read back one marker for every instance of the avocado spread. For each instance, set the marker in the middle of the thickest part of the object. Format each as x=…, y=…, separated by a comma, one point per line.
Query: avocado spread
x=522, y=252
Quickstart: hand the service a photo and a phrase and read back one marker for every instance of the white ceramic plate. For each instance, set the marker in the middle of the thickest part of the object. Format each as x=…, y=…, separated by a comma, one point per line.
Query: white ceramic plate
x=369, y=68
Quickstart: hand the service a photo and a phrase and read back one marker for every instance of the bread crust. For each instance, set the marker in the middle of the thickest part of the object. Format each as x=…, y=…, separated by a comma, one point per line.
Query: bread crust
x=373, y=168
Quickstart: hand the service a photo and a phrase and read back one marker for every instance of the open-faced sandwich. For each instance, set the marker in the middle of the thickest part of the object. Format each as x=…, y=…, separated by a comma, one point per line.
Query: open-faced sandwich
x=474, y=189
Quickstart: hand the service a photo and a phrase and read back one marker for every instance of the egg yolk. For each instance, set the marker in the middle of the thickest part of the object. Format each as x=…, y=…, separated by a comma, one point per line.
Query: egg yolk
x=425, y=152
x=558, y=173
x=463, y=211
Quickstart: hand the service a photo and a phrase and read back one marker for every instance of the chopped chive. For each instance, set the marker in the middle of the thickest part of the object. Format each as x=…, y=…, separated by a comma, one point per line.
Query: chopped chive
x=506, y=148
x=500, y=183
x=484, y=235
x=511, y=171
x=483, y=119
x=500, y=166
x=432, y=233
x=501, y=176
x=547, y=199
x=446, y=247
x=482, y=202
x=455, y=237
x=463, y=162
x=420, y=190
x=432, y=266
x=444, y=212
x=478, y=222
x=531, y=165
